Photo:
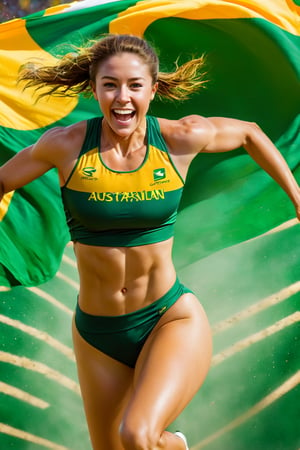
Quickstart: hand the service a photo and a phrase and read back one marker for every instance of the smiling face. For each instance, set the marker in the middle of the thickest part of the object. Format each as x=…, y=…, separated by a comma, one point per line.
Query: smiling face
x=124, y=89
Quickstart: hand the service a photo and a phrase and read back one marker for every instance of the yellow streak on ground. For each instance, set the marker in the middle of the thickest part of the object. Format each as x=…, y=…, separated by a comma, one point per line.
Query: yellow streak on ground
x=41, y=335
x=69, y=260
x=68, y=280
x=35, y=366
x=50, y=299
x=245, y=343
x=12, y=391
x=287, y=386
x=284, y=226
x=256, y=308
x=20, y=434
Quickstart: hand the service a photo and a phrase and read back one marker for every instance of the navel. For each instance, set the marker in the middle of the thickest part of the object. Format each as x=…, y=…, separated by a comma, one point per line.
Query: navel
x=124, y=290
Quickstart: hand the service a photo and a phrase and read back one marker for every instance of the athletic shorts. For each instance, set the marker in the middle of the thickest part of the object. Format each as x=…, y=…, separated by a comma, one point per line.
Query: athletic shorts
x=122, y=337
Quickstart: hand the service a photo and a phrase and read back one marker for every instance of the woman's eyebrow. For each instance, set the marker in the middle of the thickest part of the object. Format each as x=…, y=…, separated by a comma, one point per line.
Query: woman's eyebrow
x=114, y=78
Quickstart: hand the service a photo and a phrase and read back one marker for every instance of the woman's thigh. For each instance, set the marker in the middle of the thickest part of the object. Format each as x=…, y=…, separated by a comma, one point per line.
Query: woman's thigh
x=171, y=367
x=105, y=385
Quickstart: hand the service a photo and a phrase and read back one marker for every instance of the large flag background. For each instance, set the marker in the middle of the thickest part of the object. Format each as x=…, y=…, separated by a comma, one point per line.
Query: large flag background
x=237, y=242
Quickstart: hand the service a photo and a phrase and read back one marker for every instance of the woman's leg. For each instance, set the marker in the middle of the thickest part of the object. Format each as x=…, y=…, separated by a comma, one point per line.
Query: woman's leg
x=171, y=368
x=105, y=386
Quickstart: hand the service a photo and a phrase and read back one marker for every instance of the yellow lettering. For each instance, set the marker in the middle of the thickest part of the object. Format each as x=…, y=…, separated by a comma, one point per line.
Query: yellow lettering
x=141, y=195
x=131, y=196
x=108, y=197
x=125, y=196
x=93, y=196
x=157, y=194
x=152, y=195
x=136, y=196
x=101, y=196
x=161, y=193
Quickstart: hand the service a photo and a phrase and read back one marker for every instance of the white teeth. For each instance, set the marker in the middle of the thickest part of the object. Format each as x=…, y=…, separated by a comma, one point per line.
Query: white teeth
x=123, y=111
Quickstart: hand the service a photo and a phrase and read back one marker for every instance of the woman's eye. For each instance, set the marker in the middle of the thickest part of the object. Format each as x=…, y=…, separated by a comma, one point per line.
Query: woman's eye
x=109, y=85
x=135, y=86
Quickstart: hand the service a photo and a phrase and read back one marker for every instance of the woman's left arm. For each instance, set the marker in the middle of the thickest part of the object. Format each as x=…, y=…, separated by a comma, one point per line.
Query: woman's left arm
x=228, y=134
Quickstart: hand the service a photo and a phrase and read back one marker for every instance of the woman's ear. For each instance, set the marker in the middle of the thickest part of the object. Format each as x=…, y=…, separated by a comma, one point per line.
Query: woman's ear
x=93, y=87
x=154, y=89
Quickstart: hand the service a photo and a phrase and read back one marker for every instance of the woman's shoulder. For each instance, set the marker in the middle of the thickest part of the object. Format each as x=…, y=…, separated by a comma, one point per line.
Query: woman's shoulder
x=192, y=132
x=64, y=136
x=182, y=122
x=58, y=143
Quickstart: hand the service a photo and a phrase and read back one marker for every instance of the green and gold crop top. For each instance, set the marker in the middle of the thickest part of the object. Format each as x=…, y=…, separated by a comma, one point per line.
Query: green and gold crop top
x=122, y=209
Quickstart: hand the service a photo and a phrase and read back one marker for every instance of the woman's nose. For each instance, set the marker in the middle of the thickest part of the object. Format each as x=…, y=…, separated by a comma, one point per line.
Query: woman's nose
x=123, y=95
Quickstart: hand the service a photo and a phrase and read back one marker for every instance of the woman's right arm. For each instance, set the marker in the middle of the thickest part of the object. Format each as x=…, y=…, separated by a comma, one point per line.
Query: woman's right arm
x=29, y=164
x=20, y=170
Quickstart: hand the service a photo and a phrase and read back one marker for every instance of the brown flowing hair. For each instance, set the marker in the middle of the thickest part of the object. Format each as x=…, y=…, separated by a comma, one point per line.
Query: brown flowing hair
x=75, y=71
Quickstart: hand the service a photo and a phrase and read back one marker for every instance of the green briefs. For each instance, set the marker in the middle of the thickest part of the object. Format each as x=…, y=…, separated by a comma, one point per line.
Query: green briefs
x=122, y=337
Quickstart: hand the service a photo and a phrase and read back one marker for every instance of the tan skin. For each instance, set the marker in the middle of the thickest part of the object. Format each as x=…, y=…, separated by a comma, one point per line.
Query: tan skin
x=130, y=408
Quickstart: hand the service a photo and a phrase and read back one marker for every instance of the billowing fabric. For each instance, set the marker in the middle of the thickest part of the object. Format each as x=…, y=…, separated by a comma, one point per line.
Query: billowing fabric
x=252, y=54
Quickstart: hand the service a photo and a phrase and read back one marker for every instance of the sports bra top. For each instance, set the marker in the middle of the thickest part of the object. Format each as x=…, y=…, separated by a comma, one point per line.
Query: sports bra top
x=109, y=208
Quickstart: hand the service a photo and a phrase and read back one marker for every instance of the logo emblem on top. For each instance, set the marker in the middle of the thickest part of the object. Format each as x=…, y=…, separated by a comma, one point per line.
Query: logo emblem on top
x=159, y=174
x=88, y=171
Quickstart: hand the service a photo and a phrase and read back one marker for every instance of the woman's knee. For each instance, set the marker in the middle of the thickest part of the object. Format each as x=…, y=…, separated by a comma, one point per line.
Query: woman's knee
x=138, y=436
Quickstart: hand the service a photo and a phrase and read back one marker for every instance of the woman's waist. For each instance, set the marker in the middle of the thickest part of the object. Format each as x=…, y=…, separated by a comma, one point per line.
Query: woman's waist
x=114, y=296
x=116, y=281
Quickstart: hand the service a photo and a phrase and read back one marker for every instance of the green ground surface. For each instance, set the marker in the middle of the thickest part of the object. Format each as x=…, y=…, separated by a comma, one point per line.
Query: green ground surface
x=250, y=399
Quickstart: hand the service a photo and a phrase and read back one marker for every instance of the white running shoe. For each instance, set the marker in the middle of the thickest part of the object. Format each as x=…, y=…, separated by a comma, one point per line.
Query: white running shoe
x=182, y=436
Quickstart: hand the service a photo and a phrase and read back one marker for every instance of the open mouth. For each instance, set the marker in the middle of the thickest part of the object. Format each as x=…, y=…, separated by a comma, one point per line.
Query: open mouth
x=123, y=115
